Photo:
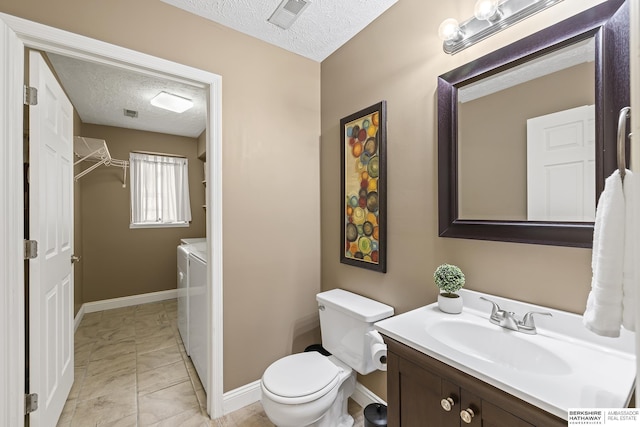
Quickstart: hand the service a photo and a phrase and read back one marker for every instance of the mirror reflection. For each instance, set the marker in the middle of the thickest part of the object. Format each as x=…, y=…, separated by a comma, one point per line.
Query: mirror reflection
x=526, y=140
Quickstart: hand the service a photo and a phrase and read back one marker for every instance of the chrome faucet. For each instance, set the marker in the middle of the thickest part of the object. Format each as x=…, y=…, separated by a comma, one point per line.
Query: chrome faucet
x=508, y=319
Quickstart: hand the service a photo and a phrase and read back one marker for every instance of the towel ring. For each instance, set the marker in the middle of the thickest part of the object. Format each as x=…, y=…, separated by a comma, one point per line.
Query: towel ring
x=625, y=113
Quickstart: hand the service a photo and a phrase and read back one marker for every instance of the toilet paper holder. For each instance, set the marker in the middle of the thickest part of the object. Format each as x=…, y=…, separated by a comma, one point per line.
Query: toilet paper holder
x=378, y=350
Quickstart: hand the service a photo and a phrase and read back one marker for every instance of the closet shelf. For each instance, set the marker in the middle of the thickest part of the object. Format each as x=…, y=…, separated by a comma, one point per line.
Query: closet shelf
x=96, y=151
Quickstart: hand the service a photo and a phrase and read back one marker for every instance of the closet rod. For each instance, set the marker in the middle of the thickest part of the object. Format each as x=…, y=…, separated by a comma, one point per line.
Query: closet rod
x=625, y=113
x=160, y=154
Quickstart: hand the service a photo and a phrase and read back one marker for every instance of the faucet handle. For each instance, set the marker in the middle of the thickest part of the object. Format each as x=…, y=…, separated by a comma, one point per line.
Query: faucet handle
x=527, y=320
x=495, y=310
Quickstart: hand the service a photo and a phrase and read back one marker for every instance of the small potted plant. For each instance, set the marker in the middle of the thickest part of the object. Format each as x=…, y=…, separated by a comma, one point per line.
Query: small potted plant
x=449, y=279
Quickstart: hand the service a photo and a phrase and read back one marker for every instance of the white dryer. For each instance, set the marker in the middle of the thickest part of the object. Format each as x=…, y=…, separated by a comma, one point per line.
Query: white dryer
x=198, y=304
x=183, y=294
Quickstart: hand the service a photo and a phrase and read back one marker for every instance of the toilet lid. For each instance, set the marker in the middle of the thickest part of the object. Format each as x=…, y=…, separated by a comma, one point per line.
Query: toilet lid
x=300, y=375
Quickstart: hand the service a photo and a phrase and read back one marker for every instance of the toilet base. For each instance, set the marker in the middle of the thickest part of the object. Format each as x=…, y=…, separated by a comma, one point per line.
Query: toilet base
x=338, y=414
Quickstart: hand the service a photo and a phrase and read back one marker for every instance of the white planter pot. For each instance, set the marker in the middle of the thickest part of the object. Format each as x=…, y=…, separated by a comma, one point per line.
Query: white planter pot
x=450, y=305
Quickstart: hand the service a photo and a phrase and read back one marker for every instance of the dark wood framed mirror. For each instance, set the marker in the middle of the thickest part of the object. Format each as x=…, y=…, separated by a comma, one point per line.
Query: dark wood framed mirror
x=603, y=31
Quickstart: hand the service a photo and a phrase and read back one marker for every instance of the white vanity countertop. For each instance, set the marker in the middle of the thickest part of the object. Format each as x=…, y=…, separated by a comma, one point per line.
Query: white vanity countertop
x=563, y=366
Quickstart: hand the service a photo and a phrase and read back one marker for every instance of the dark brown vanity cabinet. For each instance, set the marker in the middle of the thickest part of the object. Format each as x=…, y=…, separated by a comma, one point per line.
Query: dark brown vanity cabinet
x=424, y=392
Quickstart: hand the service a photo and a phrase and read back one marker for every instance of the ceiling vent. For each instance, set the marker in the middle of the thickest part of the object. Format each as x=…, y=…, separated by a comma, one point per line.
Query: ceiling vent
x=287, y=12
x=131, y=113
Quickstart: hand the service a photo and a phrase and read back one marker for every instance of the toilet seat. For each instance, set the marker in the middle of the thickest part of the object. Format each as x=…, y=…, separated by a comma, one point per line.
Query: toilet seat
x=300, y=378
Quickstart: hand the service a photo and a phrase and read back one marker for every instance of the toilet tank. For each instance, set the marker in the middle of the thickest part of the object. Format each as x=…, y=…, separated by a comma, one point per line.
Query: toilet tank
x=345, y=319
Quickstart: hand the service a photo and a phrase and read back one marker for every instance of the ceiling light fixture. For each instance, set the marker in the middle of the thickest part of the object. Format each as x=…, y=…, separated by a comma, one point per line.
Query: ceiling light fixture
x=490, y=16
x=287, y=12
x=171, y=102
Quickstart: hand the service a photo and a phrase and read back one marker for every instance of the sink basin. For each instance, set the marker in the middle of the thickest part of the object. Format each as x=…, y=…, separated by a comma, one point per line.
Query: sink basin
x=497, y=345
x=563, y=366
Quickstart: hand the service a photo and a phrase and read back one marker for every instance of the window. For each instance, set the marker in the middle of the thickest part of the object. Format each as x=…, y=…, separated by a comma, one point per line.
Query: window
x=159, y=191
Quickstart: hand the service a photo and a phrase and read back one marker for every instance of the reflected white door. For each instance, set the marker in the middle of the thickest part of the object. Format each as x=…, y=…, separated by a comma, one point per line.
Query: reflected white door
x=561, y=166
x=51, y=224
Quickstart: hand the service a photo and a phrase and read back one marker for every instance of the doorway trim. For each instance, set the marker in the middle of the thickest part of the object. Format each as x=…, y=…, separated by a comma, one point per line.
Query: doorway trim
x=38, y=36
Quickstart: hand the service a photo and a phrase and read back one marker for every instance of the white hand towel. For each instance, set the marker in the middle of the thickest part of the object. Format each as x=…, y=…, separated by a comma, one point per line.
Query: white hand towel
x=603, y=314
x=629, y=284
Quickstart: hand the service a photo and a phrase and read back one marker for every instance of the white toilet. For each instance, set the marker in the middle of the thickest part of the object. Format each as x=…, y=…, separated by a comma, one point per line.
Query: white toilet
x=311, y=390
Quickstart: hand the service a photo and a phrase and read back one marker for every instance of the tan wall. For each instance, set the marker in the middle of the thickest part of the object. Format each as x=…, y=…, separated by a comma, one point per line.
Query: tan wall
x=271, y=129
x=202, y=146
x=119, y=261
x=492, y=140
x=398, y=58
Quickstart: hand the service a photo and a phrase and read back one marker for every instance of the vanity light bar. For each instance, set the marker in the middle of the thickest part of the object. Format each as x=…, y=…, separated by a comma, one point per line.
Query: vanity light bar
x=474, y=30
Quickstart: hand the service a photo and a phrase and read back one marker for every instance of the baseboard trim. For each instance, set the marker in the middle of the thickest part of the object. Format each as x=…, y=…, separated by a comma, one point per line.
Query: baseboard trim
x=240, y=397
x=78, y=318
x=108, y=304
x=363, y=396
x=250, y=393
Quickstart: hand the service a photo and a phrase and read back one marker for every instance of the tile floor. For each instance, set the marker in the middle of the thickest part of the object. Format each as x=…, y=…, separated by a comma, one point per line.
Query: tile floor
x=131, y=370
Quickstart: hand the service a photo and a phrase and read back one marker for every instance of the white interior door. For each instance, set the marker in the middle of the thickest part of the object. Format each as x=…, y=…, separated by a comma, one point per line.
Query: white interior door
x=51, y=224
x=561, y=166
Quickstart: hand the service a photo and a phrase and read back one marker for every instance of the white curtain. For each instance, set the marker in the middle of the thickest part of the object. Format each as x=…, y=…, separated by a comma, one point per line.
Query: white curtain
x=159, y=189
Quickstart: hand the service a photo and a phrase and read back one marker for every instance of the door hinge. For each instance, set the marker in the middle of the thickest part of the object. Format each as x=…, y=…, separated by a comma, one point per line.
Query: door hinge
x=30, y=249
x=30, y=403
x=30, y=95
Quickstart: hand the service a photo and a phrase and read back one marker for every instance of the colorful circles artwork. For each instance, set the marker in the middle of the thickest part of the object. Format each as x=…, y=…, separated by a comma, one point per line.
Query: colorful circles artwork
x=361, y=189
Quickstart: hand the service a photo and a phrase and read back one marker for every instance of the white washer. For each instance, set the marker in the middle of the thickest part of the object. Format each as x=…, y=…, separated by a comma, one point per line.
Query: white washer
x=192, y=240
x=183, y=294
x=183, y=284
x=198, y=303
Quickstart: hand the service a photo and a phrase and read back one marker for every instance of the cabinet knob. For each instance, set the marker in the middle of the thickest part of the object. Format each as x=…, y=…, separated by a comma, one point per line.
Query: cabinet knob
x=447, y=403
x=467, y=415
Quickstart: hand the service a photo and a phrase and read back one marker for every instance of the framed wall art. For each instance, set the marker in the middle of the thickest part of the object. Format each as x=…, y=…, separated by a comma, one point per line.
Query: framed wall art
x=363, y=173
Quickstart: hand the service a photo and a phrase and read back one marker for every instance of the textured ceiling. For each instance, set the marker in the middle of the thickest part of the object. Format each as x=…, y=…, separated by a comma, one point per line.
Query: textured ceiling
x=321, y=28
x=100, y=94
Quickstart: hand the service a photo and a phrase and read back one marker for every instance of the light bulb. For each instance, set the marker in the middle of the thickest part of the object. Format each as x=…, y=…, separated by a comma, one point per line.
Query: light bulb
x=449, y=30
x=486, y=9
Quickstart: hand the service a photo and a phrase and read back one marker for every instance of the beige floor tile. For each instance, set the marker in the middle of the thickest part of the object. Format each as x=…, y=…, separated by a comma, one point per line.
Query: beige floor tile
x=105, y=349
x=249, y=416
x=191, y=418
x=140, y=382
x=108, y=383
x=85, y=333
x=193, y=374
x=201, y=395
x=113, y=363
x=120, y=312
x=80, y=359
x=129, y=421
x=105, y=409
x=91, y=319
x=78, y=379
x=110, y=323
x=158, y=358
x=156, y=343
x=67, y=413
x=113, y=335
x=151, y=320
x=154, y=307
x=163, y=377
x=171, y=305
x=168, y=402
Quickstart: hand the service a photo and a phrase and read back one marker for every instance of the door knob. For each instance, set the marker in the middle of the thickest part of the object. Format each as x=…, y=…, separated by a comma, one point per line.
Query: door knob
x=447, y=403
x=467, y=415
x=74, y=259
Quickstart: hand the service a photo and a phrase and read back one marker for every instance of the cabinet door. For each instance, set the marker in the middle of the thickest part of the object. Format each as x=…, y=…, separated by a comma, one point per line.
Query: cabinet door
x=480, y=413
x=417, y=395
